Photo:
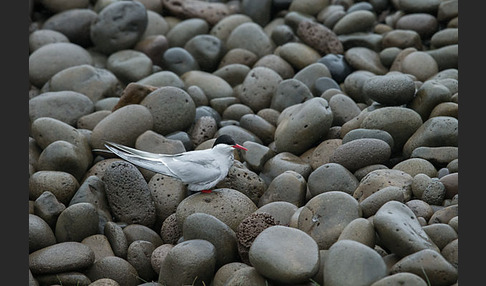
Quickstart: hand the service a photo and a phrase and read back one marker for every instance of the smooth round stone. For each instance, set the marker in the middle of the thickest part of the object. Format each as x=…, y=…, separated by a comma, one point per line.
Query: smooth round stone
x=310, y=7
x=277, y=251
x=289, y=186
x=319, y=37
x=258, y=87
x=256, y=156
x=322, y=84
x=447, y=10
x=62, y=184
x=353, y=85
x=302, y=125
x=207, y=50
x=238, y=133
x=67, y=278
x=414, y=6
x=343, y=109
x=419, y=184
x=108, y=103
x=210, y=12
x=122, y=126
x=348, y=256
x=428, y=96
x=368, y=40
x=298, y=55
x=445, y=37
x=289, y=92
x=138, y=255
x=400, y=231
x=282, y=34
x=209, y=228
x=236, y=111
x=161, y=79
x=117, y=239
x=120, y=26
x=59, y=6
x=361, y=58
x=451, y=252
x=446, y=57
x=375, y=201
x=269, y=114
x=258, y=126
x=359, y=153
x=40, y=233
x=128, y=194
x=135, y=232
x=153, y=46
x=238, y=56
x=179, y=61
x=77, y=222
x=47, y=207
x=337, y=66
x=115, y=268
x=44, y=37
x=438, y=270
x=276, y=63
x=228, y=205
x=225, y=272
x=247, y=276
x=309, y=75
x=381, y=178
x=420, y=208
x=156, y=24
x=197, y=95
x=189, y=262
x=451, y=184
x=423, y=23
x=50, y=59
x=400, y=122
x=420, y=64
x=99, y=244
x=61, y=257
x=129, y=65
x=445, y=109
x=282, y=162
x=355, y=21
x=74, y=24
x=250, y=36
x=223, y=28
x=172, y=109
x=158, y=255
x=281, y=211
x=331, y=177
x=212, y=85
x=401, y=278
x=388, y=55
x=234, y=74
x=326, y=215
x=360, y=230
x=66, y=106
x=167, y=193
x=392, y=89
x=414, y=166
x=444, y=215
x=95, y=83
x=360, y=133
x=441, y=234
x=435, y=132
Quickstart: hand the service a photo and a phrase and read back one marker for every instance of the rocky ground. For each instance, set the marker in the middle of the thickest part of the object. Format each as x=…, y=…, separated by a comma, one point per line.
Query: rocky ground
x=348, y=109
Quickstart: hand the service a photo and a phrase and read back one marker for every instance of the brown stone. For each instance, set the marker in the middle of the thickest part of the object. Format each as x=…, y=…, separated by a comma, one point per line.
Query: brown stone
x=319, y=37
x=134, y=93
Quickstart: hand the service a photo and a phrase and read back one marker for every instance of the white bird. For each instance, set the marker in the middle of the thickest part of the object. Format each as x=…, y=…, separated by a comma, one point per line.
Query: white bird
x=201, y=170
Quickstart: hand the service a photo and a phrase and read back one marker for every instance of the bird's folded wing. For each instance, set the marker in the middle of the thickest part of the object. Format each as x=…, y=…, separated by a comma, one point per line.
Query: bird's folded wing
x=198, y=169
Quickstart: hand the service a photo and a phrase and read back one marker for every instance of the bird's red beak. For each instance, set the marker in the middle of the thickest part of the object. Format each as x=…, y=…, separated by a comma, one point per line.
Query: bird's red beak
x=239, y=147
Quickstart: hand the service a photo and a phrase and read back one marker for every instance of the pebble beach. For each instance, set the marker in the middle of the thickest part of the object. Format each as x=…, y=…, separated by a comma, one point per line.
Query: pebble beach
x=348, y=109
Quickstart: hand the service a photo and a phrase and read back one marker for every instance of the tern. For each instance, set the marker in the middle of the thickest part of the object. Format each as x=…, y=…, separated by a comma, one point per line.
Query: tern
x=201, y=170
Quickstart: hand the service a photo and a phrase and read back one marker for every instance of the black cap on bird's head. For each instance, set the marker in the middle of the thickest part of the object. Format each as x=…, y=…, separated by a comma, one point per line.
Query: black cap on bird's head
x=226, y=139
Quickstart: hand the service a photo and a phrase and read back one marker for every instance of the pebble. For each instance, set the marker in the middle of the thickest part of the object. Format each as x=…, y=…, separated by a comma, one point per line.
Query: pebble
x=392, y=89
x=354, y=22
x=446, y=57
x=322, y=153
x=120, y=26
x=375, y=201
x=324, y=216
x=233, y=74
x=434, y=193
x=152, y=46
x=210, y=12
x=445, y=37
x=319, y=37
x=310, y=74
x=420, y=208
x=117, y=239
x=331, y=177
x=258, y=87
x=343, y=108
x=158, y=255
x=68, y=278
x=276, y=63
x=423, y=23
x=121, y=179
x=437, y=270
x=444, y=215
x=282, y=162
x=337, y=66
x=74, y=24
x=360, y=153
x=212, y=85
x=132, y=120
x=99, y=244
x=129, y=65
x=401, y=278
x=250, y=36
x=282, y=34
x=176, y=113
x=47, y=207
x=353, y=85
x=381, y=178
x=179, y=61
x=360, y=230
x=134, y=232
x=428, y=96
x=263, y=129
x=154, y=80
x=420, y=64
x=236, y=111
x=50, y=59
x=247, y=276
x=451, y=252
x=441, y=234
x=138, y=255
x=226, y=25
x=289, y=92
x=62, y=184
x=40, y=233
x=189, y=262
x=207, y=50
x=400, y=231
x=77, y=222
x=43, y=37
x=238, y=56
x=285, y=254
x=302, y=125
x=115, y=268
x=414, y=166
x=361, y=58
x=61, y=257
x=256, y=156
x=289, y=186
x=348, y=256
x=209, y=228
x=298, y=55
x=225, y=272
x=368, y=133
x=438, y=156
x=238, y=133
x=402, y=39
x=156, y=24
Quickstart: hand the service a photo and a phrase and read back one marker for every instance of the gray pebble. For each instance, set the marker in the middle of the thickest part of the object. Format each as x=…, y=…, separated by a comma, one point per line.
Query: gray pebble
x=99, y=244
x=134, y=232
x=107, y=103
x=337, y=66
x=225, y=272
x=167, y=193
x=391, y=89
x=359, y=153
x=451, y=252
x=282, y=162
x=361, y=58
x=197, y=95
x=258, y=126
x=289, y=92
x=238, y=133
x=434, y=193
x=153, y=142
x=123, y=126
x=48, y=207
x=258, y=87
x=233, y=74
x=298, y=55
x=276, y=63
x=423, y=23
x=414, y=166
x=343, y=109
x=309, y=74
x=77, y=222
x=119, y=26
x=48, y=60
x=428, y=96
x=117, y=239
x=40, y=233
x=162, y=78
x=289, y=186
x=375, y=201
x=62, y=184
x=278, y=250
x=235, y=111
x=179, y=61
x=401, y=278
x=207, y=50
x=360, y=230
x=355, y=21
x=381, y=178
x=323, y=152
x=68, y=278
x=43, y=37
x=239, y=56
x=319, y=37
x=446, y=57
x=129, y=65
x=325, y=216
x=203, y=129
x=189, y=262
x=348, y=256
x=250, y=36
x=185, y=30
x=414, y=6
x=445, y=37
x=156, y=23
x=223, y=28
x=331, y=177
x=400, y=231
x=256, y=156
x=281, y=211
x=121, y=180
x=61, y=257
x=246, y=276
x=158, y=255
x=368, y=133
x=208, y=227
x=441, y=234
x=115, y=268
x=212, y=85
x=282, y=34
x=138, y=255
x=75, y=24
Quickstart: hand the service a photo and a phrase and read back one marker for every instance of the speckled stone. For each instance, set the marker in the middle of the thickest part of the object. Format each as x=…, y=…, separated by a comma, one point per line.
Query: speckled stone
x=289, y=92
x=138, y=255
x=319, y=37
x=276, y=63
x=258, y=87
x=210, y=12
x=289, y=186
x=62, y=184
x=250, y=36
x=359, y=153
x=381, y=178
x=391, y=89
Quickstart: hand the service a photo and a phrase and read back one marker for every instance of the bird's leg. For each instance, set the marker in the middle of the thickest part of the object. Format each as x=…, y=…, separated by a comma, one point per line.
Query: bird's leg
x=206, y=191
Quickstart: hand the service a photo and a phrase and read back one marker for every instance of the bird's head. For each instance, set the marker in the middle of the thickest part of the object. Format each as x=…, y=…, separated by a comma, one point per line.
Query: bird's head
x=227, y=140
